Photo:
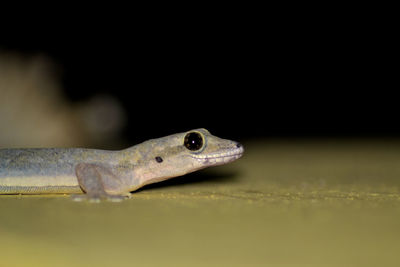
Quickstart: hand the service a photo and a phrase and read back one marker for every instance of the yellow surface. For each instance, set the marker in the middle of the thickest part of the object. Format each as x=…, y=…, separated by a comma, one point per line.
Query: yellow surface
x=285, y=203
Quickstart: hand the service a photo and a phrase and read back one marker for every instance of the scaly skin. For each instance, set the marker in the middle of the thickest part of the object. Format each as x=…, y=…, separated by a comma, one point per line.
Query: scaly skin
x=111, y=175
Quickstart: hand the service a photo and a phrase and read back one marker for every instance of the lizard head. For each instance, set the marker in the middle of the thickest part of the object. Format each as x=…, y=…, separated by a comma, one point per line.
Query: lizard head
x=181, y=153
x=205, y=149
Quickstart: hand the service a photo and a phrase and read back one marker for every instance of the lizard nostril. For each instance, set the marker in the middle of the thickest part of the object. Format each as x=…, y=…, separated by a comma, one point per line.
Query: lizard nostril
x=238, y=145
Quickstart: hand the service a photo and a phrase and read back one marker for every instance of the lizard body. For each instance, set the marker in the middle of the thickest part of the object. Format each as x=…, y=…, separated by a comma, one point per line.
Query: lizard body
x=103, y=174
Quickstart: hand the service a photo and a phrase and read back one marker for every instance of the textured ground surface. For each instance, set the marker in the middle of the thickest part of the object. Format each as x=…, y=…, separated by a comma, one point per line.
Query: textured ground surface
x=285, y=203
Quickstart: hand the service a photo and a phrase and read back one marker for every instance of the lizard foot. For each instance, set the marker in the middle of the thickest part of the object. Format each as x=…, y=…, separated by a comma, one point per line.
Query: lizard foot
x=98, y=198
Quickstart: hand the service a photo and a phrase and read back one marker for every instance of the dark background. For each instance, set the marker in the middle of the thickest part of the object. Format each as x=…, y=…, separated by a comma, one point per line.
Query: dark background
x=252, y=76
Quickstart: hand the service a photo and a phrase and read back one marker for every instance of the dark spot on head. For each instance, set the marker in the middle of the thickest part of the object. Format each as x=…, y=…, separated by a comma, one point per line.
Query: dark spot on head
x=159, y=159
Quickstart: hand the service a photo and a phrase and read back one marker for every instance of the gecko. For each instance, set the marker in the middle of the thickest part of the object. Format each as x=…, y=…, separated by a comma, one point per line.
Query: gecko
x=95, y=175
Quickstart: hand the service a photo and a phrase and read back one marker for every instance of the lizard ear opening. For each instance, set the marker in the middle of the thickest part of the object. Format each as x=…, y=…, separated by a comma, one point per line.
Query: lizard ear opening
x=193, y=141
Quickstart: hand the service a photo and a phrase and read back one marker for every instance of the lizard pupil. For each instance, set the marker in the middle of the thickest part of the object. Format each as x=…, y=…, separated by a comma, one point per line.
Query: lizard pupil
x=193, y=141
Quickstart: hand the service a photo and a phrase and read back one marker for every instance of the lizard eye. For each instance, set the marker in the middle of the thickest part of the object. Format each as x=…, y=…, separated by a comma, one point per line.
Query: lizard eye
x=193, y=141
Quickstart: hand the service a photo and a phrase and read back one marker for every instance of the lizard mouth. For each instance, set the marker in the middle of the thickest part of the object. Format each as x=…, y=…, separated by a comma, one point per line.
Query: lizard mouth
x=221, y=157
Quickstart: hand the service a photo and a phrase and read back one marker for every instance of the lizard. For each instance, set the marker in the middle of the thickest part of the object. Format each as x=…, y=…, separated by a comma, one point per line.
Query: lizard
x=95, y=174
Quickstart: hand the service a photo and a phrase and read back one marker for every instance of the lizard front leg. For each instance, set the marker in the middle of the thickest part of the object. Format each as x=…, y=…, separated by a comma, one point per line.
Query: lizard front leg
x=97, y=181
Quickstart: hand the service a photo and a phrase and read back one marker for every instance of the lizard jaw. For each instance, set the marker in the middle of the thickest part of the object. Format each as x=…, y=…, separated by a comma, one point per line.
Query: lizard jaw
x=221, y=157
